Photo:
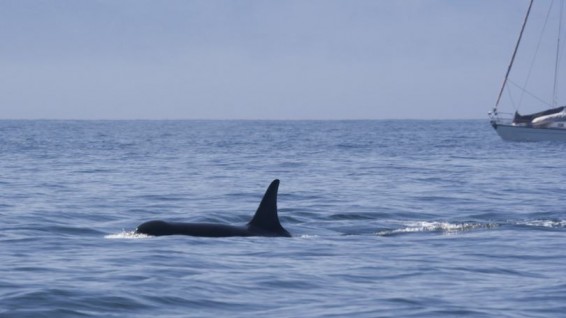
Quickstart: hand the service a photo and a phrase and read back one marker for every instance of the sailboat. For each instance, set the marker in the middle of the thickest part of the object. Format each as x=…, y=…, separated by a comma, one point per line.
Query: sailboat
x=545, y=125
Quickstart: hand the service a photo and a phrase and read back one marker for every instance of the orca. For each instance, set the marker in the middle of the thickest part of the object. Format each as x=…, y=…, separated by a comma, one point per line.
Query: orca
x=265, y=222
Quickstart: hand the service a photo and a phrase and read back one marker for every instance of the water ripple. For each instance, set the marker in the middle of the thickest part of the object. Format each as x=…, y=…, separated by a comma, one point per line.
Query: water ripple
x=389, y=219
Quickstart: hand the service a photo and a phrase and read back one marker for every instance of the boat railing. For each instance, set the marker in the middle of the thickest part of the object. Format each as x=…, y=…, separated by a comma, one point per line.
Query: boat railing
x=501, y=118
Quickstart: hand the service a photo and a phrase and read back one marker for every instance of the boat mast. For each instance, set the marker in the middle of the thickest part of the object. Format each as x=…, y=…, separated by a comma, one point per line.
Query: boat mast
x=557, y=62
x=513, y=57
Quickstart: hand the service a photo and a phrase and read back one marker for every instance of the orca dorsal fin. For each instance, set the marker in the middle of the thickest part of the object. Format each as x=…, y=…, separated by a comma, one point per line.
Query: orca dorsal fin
x=265, y=218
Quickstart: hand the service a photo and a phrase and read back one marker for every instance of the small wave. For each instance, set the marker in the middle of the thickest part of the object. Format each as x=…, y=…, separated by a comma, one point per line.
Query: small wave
x=544, y=223
x=126, y=235
x=443, y=227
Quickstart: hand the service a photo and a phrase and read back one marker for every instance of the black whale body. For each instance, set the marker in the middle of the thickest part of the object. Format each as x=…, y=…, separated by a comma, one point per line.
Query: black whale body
x=264, y=223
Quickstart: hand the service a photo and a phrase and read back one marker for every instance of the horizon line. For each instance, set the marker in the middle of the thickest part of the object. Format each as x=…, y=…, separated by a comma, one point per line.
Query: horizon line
x=236, y=119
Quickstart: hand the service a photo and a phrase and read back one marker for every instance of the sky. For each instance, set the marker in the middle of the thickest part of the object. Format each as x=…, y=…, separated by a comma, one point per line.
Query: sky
x=261, y=59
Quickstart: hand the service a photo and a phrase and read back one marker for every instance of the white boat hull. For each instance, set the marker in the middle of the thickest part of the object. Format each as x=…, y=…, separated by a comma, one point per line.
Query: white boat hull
x=526, y=133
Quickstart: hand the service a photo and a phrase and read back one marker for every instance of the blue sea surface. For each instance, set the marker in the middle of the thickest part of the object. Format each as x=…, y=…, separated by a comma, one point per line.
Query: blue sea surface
x=389, y=219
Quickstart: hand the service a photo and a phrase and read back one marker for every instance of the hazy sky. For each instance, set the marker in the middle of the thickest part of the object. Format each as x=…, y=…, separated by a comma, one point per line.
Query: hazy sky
x=263, y=59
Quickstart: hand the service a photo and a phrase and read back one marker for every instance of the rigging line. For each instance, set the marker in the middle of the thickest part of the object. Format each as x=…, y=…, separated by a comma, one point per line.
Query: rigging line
x=530, y=94
x=527, y=79
x=514, y=54
x=557, y=63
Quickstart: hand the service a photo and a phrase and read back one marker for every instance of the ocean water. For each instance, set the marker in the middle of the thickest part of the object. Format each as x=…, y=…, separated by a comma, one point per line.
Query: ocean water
x=389, y=219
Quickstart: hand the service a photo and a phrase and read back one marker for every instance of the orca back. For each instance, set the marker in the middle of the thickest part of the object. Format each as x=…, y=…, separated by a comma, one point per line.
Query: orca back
x=264, y=223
